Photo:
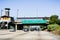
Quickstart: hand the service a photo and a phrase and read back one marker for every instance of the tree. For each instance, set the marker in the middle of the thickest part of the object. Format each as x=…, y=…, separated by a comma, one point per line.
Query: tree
x=58, y=21
x=53, y=19
x=45, y=18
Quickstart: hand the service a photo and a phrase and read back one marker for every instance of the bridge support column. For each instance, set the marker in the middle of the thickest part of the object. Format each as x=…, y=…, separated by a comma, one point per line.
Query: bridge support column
x=16, y=26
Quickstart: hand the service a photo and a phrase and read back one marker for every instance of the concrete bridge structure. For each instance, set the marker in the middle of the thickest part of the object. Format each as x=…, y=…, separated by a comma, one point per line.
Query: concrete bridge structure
x=30, y=21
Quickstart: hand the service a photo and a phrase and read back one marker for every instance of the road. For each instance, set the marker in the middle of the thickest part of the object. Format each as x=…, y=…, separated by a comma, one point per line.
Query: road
x=20, y=35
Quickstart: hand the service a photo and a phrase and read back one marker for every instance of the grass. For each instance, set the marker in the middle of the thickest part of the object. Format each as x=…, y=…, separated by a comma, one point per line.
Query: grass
x=52, y=27
x=57, y=30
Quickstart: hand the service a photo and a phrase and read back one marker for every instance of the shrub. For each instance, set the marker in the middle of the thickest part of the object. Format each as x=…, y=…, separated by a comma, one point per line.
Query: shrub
x=57, y=30
x=52, y=27
x=43, y=27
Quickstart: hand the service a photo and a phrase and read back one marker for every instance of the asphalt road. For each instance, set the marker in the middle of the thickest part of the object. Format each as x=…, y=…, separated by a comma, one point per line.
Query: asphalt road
x=34, y=35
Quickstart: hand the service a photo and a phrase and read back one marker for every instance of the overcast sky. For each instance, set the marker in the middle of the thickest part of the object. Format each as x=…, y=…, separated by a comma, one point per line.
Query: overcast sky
x=31, y=8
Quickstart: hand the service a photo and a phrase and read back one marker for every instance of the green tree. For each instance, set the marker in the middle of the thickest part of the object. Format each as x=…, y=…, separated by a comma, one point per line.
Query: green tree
x=53, y=19
x=58, y=21
x=45, y=18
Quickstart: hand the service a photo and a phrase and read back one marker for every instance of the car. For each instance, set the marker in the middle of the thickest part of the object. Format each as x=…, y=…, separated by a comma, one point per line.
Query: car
x=31, y=29
x=37, y=29
x=25, y=29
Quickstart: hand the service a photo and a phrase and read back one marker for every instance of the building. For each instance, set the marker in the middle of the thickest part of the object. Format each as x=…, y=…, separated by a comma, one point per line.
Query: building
x=6, y=20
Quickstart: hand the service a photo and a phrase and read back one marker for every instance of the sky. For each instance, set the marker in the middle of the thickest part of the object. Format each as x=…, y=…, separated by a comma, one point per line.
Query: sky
x=31, y=8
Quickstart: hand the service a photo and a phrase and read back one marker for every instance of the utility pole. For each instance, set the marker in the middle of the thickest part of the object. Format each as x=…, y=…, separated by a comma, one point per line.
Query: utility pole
x=36, y=12
x=16, y=19
x=1, y=14
x=17, y=13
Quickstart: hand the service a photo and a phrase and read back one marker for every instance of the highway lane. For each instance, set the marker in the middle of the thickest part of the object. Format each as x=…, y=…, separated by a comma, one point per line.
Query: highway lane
x=31, y=35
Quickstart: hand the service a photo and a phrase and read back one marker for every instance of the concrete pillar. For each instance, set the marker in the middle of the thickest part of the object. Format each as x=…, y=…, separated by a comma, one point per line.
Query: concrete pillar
x=40, y=27
x=7, y=25
x=16, y=26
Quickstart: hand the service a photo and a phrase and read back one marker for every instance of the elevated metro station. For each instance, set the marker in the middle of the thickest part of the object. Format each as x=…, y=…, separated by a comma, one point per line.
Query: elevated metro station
x=31, y=22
